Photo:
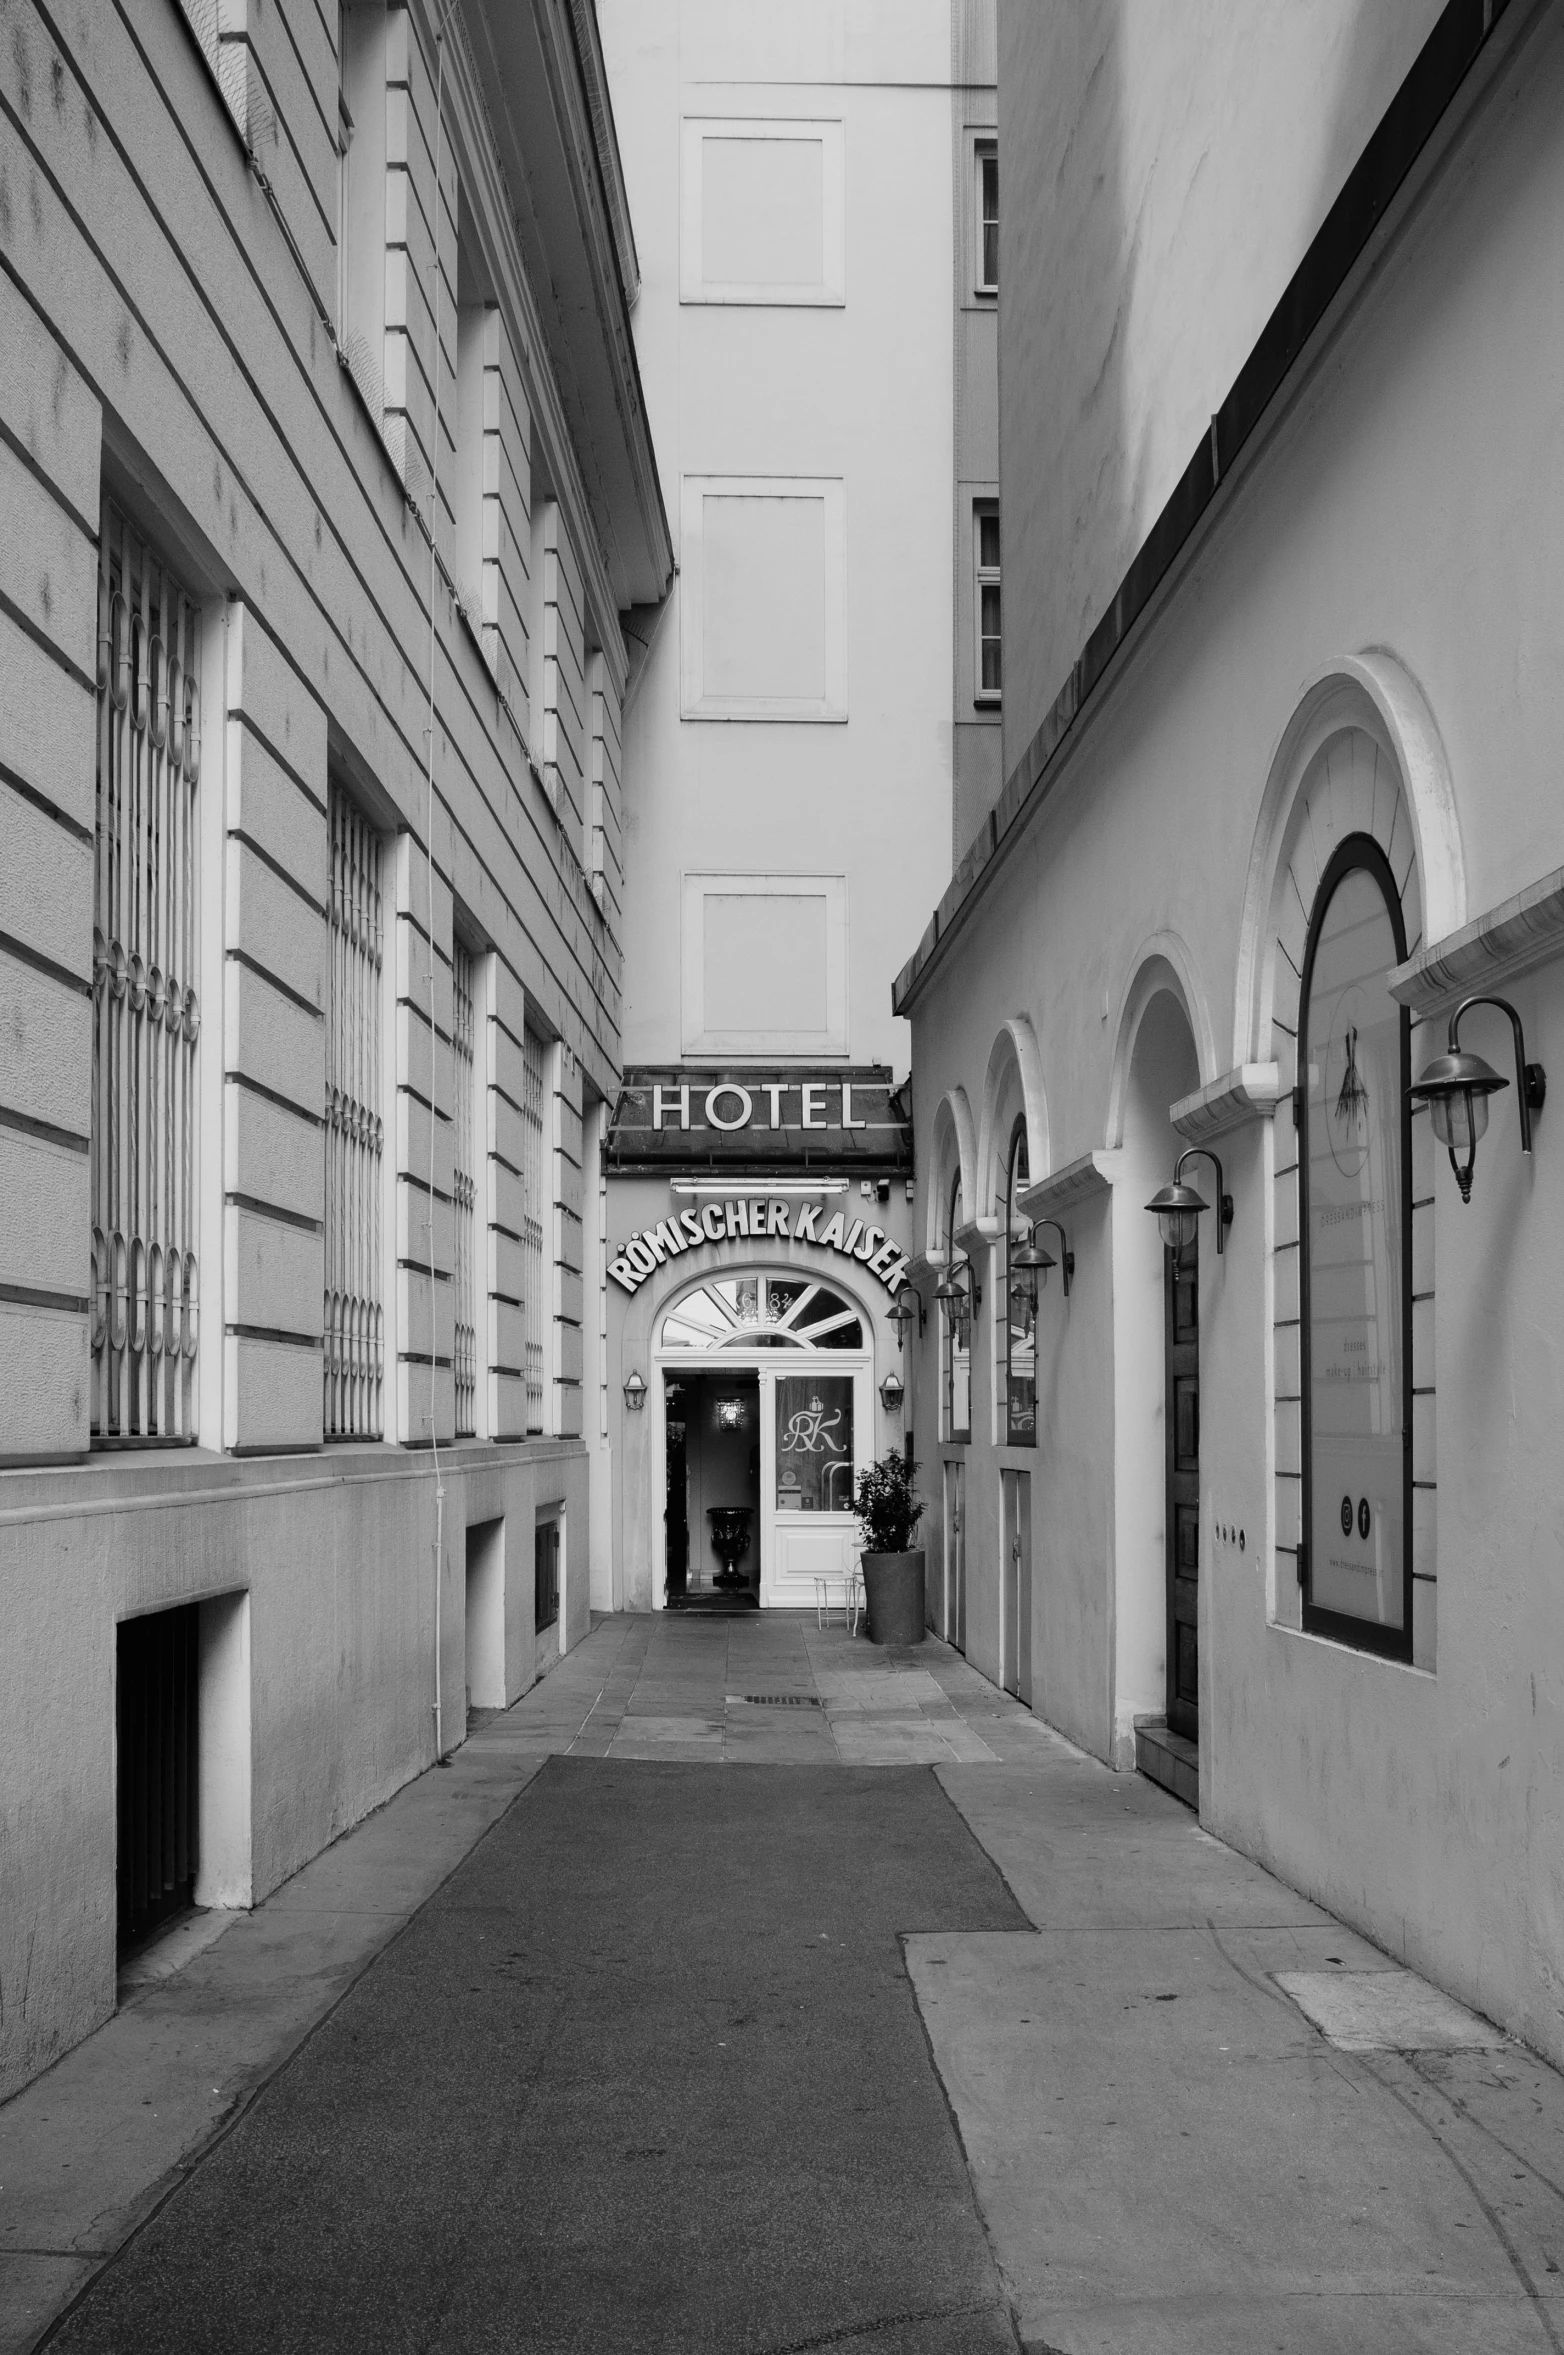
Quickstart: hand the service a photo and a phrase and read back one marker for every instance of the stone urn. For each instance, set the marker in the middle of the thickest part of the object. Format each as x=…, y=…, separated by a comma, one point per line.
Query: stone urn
x=730, y=1541
x=893, y=1596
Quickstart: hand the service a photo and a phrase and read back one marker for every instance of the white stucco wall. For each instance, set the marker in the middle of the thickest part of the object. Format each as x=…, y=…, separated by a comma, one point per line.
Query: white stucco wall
x=1162, y=172
x=1410, y=503
x=861, y=392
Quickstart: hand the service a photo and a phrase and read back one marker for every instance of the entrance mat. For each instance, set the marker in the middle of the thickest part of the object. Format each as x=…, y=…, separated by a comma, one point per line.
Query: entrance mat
x=647, y=2073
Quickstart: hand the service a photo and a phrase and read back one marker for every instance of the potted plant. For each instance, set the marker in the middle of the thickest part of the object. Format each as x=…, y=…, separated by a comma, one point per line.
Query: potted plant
x=888, y=1511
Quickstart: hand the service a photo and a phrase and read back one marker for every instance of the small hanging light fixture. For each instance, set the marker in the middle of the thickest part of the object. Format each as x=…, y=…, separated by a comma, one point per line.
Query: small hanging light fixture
x=1032, y=1262
x=892, y=1392
x=1177, y=1207
x=1456, y=1087
x=635, y=1391
x=906, y=1309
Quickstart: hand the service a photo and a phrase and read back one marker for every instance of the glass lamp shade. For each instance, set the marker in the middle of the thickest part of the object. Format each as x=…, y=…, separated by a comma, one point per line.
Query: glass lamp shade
x=892, y=1393
x=1456, y=1089
x=1031, y=1262
x=952, y=1293
x=1177, y=1210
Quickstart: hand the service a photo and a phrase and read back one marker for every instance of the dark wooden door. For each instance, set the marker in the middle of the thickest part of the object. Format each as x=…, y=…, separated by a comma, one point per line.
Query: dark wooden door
x=1182, y=1285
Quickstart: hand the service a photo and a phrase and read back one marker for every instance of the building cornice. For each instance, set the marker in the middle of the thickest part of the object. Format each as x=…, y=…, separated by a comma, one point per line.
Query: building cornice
x=1469, y=44
x=1062, y=1189
x=1252, y=1092
x=1489, y=953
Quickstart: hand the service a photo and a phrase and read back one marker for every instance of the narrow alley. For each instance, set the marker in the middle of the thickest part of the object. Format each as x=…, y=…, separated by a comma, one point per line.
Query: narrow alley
x=921, y=2032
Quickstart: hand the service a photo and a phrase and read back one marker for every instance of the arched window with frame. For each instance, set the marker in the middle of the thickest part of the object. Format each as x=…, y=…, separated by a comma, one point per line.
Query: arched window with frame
x=956, y=1331
x=1020, y=1420
x=1355, y=1221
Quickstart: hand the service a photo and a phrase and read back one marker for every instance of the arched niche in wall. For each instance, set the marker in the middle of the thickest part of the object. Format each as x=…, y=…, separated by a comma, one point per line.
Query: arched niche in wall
x=955, y=1154
x=1012, y=1090
x=1359, y=780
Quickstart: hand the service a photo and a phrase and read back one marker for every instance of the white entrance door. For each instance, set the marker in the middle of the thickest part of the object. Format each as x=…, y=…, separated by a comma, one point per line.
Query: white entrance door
x=815, y=1421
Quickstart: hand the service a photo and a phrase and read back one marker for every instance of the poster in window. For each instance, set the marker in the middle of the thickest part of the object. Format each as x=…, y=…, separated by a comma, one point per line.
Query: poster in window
x=1354, y=1242
x=814, y=1443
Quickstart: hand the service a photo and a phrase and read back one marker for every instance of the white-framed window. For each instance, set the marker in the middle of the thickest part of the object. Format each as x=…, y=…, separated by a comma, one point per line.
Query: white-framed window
x=355, y=1321
x=537, y=1222
x=762, y=212
x=146, y=1013
x=988, y=649
x=764, y=965
x=763, y=598
x=986, y=216
x=467, y=1185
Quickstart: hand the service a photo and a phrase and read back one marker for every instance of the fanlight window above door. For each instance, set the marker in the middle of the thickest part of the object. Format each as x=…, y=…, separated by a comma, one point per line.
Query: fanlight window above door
x=762, y=1312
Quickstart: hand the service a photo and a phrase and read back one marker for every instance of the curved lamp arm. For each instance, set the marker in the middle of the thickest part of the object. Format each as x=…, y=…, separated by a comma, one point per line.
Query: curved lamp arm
x=1531, y=1085
x=1066, y=1255
x=1224, y=1200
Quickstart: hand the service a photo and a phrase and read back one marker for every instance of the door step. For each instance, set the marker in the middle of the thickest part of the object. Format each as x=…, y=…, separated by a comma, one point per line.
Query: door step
x=717, y=1602
x=1170, y=1759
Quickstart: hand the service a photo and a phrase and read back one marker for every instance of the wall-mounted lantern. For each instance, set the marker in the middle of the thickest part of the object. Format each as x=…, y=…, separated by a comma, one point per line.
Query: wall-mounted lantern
x=635, y=1392
x=906, y=1309
x=1178, y=1206
x=1030, y=1264
x=892, y=1392
x=961, y=1293
x=1456, y=1087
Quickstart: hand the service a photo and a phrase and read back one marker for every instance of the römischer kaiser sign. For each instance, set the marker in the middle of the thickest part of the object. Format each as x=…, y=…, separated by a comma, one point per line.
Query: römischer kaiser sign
x=743, y=1220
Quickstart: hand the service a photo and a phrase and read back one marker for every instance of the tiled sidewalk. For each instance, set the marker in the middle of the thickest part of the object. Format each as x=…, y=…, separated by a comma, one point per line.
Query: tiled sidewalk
x=771, y=1689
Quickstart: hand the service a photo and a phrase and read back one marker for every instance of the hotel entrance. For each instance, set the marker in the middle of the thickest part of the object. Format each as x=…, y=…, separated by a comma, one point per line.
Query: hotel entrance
x=764, y=1387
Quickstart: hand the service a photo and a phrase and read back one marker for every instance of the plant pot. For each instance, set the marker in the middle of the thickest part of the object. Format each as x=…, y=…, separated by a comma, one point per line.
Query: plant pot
x=893, y=1594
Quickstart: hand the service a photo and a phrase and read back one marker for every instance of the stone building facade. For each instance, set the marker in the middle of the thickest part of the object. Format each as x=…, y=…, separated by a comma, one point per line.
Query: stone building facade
x=1272, y=1507
x=326, y=479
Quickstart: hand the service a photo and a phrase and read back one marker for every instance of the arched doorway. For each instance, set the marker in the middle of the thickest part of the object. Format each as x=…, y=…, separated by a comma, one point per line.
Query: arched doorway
x=1157, y=1382
x=765, y=1400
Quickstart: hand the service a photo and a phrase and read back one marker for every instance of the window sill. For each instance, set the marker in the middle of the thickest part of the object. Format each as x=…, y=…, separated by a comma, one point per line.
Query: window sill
x=989, y=701
x=1340, y=1650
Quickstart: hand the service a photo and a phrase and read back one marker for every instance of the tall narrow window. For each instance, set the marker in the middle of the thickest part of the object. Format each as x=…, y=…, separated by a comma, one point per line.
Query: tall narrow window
x=534, y=1271
x=956, y=1334
x=985, y=532
x=1021, y=1305
x=355, y=1134
x=464, y=1119
x=146, y=1018
x=988, y=218
x=1354, y=1158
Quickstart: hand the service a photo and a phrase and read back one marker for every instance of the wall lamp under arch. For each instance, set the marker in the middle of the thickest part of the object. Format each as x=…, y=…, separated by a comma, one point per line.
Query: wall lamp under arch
x=960, y=1293
x=1456, y=1087
x=635, y=1391
x=892, y=1391
x=1178, y=1207
x=1031, y=1263
x=906, y=1309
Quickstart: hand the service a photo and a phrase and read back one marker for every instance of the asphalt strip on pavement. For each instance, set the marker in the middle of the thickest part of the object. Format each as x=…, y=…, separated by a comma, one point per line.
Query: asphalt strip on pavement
x=646, y=2073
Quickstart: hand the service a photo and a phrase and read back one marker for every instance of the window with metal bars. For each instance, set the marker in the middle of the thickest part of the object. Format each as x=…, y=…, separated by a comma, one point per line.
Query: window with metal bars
x=988, y=219
x=464, y=1115
x=535, y=1173
x=990, y=645
x=545, y=1560
x=146, y=1015
x=355, y=1132
x=157, y=1674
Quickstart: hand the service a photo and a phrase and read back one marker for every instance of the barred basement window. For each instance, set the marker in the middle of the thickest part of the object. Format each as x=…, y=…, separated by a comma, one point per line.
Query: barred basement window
x=146, y=1018
x=355, y=1134
x=466, y=1189
x=534, y=1225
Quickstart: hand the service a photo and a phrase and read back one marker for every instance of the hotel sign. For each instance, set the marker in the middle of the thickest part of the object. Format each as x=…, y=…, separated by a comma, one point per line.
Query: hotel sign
x=743, y=1220
x=691, y=1118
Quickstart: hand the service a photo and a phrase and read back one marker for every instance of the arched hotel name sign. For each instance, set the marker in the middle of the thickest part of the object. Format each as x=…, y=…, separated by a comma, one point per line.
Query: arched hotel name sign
x=746, y=1219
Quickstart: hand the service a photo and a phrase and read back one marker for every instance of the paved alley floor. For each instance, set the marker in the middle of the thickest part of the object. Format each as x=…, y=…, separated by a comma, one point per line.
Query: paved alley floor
x=747, y=1988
